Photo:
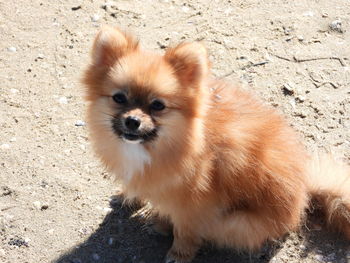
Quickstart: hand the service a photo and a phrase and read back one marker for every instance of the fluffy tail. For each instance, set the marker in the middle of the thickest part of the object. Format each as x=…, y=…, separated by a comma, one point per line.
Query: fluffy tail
x=329, y=187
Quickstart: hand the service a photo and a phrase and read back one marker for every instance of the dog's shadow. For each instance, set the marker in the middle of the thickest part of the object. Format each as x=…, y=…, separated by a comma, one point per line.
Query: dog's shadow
x=121, y=238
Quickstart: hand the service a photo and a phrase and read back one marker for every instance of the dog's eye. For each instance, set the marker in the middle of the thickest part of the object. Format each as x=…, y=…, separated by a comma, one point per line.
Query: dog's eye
x=157, y=105
x=120, y=98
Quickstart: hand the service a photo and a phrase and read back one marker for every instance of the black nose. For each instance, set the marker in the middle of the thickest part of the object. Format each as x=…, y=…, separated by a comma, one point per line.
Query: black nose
x=132, y=123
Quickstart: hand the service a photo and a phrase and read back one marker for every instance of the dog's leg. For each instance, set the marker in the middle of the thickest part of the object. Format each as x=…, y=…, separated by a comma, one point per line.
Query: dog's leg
x=185, y=246
x=161, y=226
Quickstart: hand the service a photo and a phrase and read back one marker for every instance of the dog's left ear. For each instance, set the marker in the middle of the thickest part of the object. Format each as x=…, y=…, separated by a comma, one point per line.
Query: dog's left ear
x=189, y=61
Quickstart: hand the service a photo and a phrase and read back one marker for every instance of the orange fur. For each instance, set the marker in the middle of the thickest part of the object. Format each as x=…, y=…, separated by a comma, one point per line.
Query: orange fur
x=224, y=167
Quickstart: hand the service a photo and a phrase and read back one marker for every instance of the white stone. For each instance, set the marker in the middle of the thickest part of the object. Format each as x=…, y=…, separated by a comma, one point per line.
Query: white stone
x=37, y=204
x=331, y=257
x=302, y=247
x=5, y=146
x=336, y=25
x=12, y=49
x=95, y=18
x=107, y=209
x=308, y=13
x=319, y=258
x=63, y=100
x=185, y=9
x=80, y=123
x=14, y=91
x=95, y=256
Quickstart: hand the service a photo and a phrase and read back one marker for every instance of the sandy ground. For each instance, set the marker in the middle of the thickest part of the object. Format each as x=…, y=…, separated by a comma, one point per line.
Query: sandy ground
x=55, y=198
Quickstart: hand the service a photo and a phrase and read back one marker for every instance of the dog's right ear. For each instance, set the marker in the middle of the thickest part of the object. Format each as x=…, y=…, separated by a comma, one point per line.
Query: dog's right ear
x=110, y=45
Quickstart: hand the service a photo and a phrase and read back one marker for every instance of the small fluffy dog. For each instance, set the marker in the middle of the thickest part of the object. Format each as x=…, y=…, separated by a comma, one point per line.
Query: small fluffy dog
x=214, y=162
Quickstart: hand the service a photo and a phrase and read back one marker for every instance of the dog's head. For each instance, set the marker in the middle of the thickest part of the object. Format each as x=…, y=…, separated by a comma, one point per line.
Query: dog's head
x=139, y=97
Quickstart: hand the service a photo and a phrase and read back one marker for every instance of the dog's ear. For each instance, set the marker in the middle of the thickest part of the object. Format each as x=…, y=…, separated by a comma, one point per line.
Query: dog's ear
x=189, y=61
x=110, y=45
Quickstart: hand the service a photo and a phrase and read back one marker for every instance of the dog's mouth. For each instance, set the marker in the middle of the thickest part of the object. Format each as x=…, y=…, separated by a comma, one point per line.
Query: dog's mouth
x=131, y=137
x=135, y=137
x=139, y=136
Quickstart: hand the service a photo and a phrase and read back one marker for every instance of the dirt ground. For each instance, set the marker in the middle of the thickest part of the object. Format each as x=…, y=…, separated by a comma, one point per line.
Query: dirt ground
x=56, y=201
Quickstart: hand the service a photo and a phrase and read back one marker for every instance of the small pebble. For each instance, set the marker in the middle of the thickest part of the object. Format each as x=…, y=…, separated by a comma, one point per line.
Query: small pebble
x=6, y=191
x=331, y=257
x=44, y=207
x=95, y=256
x=80, y=123
x=107, y=209
x=50, y=231
x=292, y=103
x=63, y=100
x=9, y=217
x=300, y=98
x=324, y=15
x=13, y=139
x=308, y=13
x=37, y=204
x=5, y=146
x=302, y=247
x=41, y=56
x=18, y=242
x=228, y=11
x=347, y=255
x=12, y=49
x=95, y=18
x=336, y=25
x=319, y=258
x=288, y=89
x=185, y=9
x=14, y=91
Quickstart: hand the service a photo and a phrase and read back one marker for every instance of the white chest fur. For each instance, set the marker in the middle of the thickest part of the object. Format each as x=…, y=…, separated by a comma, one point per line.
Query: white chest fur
x=135, y=158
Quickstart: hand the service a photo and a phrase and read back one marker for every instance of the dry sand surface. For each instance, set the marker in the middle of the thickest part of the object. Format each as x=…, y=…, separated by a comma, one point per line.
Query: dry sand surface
x=55, y=198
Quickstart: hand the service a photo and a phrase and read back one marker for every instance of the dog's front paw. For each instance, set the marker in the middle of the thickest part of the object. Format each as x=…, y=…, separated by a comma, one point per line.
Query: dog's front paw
x=157, y=229
x=176, y=256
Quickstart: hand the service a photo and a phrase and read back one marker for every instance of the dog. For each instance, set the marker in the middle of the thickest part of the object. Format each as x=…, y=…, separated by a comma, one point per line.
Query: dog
x=215, y=163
